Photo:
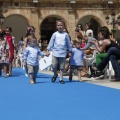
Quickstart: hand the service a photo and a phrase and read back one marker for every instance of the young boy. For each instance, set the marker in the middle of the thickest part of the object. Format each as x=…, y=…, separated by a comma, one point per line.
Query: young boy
x=76, y=59
x=31, y=55
x=58, y=44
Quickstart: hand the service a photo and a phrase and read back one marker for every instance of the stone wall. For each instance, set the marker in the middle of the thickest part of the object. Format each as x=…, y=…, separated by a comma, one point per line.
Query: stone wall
x=35, y=16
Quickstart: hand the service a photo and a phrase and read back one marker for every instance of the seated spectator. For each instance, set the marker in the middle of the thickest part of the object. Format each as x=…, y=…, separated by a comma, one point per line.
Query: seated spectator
x=89, y=47
x=78, y=35
x=111, y=48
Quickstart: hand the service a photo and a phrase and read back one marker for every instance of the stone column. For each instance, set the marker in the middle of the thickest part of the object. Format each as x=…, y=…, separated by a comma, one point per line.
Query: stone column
x=71, y=23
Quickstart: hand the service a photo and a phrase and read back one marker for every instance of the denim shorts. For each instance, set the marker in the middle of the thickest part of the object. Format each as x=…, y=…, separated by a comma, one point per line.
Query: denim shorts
x=76, y=67
x=58, y=61
x=32, y=69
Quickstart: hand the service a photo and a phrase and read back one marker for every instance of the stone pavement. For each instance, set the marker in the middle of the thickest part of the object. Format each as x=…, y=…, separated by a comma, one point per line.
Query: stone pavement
x=102, y=82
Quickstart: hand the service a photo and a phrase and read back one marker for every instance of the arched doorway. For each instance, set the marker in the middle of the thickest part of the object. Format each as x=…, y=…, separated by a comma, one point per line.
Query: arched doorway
x=18, y=24
x=95, y=24
x=48, y=27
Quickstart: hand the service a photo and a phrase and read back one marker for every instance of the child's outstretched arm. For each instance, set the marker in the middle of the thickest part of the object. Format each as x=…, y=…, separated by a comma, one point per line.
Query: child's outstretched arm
x=47, y=53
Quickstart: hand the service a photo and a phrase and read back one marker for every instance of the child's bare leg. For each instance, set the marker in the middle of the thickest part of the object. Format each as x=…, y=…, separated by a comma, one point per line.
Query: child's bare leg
x=79, y=75
x=10, y=68
x=0, y=69
x=5, y=70
x=31, y=79
x=61, y=75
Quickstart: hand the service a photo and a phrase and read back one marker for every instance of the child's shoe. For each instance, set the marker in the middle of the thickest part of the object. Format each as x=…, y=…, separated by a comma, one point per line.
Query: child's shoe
x=61, y=82
x=32, y=81
x=26, y=74
x=54, y=78
x=5, y=76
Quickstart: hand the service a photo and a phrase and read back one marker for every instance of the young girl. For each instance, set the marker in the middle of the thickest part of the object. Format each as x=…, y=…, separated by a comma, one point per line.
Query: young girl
x=30, y=31
x=11, y=41
x=4, y=56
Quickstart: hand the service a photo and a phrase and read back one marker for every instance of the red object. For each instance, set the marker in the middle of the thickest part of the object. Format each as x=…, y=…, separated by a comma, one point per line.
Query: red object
x=10, y=41
x=82, y=45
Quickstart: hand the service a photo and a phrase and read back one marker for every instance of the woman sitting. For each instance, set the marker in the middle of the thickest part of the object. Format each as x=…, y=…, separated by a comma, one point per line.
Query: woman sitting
x=111, y=48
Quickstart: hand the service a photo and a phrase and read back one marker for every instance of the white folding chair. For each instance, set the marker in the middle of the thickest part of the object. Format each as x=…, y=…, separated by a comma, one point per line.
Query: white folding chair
x=110, y=71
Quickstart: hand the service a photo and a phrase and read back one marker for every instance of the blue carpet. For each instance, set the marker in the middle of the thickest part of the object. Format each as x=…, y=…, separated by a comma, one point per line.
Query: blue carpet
x=52, y=101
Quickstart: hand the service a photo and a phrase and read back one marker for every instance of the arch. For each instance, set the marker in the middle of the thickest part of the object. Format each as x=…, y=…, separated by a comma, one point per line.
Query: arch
x=48, y=26
x=90, y=16
x=18, y=23
x=59, y=13
x=93, y=20
x=95, y=14
x=53, y=15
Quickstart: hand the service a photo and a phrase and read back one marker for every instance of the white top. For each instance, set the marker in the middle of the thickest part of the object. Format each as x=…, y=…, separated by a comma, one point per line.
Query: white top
x=88, y=32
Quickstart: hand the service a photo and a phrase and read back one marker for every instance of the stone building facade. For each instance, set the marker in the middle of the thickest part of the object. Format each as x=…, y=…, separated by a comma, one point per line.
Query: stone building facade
x=43, y=15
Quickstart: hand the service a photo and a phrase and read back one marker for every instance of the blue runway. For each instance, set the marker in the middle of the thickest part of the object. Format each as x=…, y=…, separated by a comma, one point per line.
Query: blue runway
x=44, y=100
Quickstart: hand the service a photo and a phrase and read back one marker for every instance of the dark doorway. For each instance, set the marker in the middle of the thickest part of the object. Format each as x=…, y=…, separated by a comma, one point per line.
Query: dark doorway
x=48, y=27
x=95, y=28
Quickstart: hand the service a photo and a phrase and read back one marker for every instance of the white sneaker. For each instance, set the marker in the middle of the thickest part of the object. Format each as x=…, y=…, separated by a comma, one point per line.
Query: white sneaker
x=7, y=74
x=26, y=74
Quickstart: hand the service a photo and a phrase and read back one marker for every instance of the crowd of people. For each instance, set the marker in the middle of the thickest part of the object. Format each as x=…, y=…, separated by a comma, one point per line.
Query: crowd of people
x=83, y=53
